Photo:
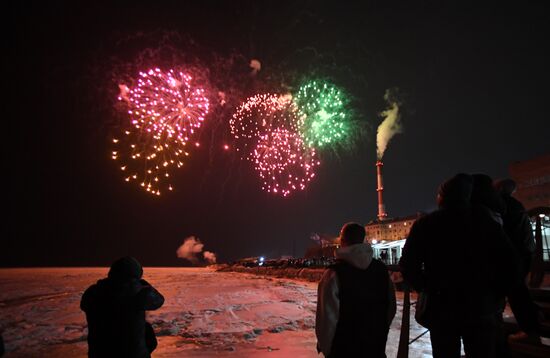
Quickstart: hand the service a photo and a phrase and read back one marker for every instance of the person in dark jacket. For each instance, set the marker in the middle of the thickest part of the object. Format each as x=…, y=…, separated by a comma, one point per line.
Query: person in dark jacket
x=462, y=287
x=486, y=199
x=516, y=224
x=518, y=227
x=356, y=301
x=115, y=310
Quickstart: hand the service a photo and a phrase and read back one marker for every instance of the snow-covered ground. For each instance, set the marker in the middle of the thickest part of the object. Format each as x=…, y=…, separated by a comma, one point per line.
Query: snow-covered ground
x=206, y=314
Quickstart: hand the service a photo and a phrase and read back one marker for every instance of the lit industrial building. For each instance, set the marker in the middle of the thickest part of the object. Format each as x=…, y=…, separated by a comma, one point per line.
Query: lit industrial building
x=533, y=181
x=387, y=235
x=533, y=190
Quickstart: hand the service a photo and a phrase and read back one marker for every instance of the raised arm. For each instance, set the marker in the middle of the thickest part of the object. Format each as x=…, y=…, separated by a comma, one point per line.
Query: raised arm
x=149, y=298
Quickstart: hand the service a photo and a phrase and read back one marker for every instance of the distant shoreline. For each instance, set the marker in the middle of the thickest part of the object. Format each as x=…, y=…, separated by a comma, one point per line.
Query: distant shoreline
x=305, y=274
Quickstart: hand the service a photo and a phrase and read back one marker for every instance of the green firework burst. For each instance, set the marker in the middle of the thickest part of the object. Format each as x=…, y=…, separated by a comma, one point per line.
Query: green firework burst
x=326, y=120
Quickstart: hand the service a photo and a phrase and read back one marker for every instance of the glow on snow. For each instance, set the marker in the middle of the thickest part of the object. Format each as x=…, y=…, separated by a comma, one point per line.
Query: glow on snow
x=164, y=110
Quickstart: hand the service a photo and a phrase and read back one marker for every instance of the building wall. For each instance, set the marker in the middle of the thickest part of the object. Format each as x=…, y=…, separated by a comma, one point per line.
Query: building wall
x=389, y=230
x=533, y=181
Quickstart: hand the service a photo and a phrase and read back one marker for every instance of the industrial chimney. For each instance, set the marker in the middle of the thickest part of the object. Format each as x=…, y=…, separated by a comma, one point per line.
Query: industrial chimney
x=380, y=189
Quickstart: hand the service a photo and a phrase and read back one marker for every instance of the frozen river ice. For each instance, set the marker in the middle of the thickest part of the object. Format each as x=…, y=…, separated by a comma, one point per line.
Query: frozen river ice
x=206, y=314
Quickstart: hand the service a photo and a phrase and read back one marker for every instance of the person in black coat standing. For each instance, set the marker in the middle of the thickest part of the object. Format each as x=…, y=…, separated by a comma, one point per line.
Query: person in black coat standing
x=516, y=224
x=518, y=227
x=461, y=260
x=115, y=310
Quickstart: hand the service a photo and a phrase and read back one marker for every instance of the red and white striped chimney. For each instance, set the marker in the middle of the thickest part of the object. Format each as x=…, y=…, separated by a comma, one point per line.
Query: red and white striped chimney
x=380, y=189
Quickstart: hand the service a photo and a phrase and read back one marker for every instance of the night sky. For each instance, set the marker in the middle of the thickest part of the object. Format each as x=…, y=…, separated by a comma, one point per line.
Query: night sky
x=474, y=83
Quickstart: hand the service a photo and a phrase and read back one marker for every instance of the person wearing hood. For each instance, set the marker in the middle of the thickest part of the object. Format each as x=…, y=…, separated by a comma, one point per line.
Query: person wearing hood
x=356, y=301
x=115, y=310
x=461, y=261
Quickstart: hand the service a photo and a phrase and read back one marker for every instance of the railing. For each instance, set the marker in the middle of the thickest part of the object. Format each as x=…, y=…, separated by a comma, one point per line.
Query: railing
x=537, y=267
x=389, y=261
x=404, y=335
x=403, y=349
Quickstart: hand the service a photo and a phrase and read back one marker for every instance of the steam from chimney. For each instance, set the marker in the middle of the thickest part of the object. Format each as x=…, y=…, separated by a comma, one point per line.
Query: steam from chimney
x=391, y=124
x=191, y=250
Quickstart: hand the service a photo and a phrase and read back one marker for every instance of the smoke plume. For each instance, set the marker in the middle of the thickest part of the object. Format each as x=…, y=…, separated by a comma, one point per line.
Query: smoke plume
x=255, y=65
x=190, y=248
x=391, y=124
x=210, y=257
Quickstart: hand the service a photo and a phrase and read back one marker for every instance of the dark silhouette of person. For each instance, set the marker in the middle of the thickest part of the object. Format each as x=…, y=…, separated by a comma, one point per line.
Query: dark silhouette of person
x=510, y=214
x=486, y=199
x=441, y=258
x=356, y=301
x=518, y=227
x=115, y=310
x=516, y=224
x=383, y=256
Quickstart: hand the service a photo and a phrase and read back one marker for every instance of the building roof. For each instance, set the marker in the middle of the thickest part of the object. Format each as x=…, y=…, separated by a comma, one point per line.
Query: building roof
x=396, y=219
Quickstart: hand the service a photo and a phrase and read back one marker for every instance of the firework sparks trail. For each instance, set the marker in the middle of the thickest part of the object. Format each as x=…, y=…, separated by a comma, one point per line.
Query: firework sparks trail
x=164, y=110
x=259, y=115
x=148, y=159
x=323, y=109
x=284, y=162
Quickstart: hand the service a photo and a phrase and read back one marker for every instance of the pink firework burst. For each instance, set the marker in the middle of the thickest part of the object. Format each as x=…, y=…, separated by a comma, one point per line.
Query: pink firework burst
x=284, y=162
x=166, y=104
x=260, y=114
x=165, y=109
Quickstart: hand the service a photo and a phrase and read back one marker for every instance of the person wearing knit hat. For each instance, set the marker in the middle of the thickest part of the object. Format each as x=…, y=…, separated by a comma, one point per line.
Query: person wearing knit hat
x=455, y=192
x=115, y=310
x=125, y=268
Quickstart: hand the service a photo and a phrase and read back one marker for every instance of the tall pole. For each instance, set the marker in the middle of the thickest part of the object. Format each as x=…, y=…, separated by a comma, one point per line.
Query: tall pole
x=403, y=348
x=380, y=189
